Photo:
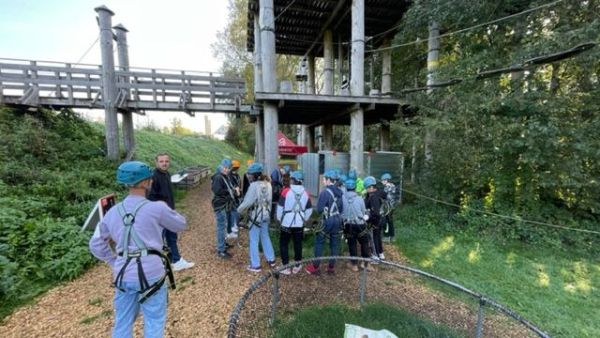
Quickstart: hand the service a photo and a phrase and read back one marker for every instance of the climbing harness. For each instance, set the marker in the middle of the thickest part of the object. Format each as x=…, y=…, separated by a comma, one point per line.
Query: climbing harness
x=260, y=208
x=146, y=290
x=296, y=209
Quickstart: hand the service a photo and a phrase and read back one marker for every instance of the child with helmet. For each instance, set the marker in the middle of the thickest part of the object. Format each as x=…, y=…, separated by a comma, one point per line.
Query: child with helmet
x=257, y=204
x=232, y=215
x=355, y=216
x=330, y=205
x=373, y=201
x=293, y=210
x=139, y=265
x=389, y=189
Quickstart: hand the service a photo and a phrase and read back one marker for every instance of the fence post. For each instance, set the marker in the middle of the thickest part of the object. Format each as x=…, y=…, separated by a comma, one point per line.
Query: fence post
x=362, y=288
x=274, y=296
x=480, y=315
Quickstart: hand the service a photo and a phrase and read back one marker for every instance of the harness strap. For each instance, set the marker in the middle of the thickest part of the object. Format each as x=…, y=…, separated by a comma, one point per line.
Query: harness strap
x=333, y=210
x=296, y=209
x=260, y=207
x=146, y=290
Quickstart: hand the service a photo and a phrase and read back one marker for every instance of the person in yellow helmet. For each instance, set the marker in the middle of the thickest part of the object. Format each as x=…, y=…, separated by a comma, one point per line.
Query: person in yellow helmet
x=233, y=216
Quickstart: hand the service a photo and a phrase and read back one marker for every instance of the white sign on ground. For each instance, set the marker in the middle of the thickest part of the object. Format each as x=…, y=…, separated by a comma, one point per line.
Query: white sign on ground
x=355, y=331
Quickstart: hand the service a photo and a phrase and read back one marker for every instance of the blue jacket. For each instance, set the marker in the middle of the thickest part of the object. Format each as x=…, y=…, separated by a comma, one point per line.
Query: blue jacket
x=325, y=206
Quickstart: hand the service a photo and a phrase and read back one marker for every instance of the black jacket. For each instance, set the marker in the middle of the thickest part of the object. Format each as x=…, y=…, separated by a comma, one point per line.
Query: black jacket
x=162, y=188
x=222, y=193
x=373, y=202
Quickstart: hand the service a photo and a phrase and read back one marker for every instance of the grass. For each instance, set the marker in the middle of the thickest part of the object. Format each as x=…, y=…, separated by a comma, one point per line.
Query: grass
x=329, y=321
x=556, y=290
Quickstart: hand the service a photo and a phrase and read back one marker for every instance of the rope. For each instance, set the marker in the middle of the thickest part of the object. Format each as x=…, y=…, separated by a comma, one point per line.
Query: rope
x=88, y=50
x=466, y=29
x=501, y=216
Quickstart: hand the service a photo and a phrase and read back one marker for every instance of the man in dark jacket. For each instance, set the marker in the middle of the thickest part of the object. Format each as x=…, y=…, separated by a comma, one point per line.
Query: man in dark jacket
x=330, y=205
x=222, y=203
x=162, y=190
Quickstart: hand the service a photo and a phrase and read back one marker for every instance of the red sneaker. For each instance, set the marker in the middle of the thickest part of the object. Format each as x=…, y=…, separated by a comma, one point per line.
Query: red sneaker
x=312, y=270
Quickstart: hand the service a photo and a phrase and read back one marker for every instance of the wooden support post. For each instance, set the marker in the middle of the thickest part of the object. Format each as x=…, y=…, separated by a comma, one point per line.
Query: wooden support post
x=260, y=139
x=271, y=123
x=384, y=136
x=339, y=66
x=109, y=82
x=310, y=72
x=127, y=115
x=310, y=139
x=357, y=85
x=433, y=55
x=327, y=130
x=258, y=76
x=386, y=69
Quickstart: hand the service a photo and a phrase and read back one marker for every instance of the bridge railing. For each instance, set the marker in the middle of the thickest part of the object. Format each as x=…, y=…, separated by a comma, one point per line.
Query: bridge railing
x=50, y=83
x=42, y=83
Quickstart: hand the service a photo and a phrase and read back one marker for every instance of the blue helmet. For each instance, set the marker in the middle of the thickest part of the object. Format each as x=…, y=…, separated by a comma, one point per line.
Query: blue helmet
x=369, y=181
x=286, y=169
x=331, y=174
x=297, y=176
x=350, y=184
x=226, y=163
x=133, y=172
x=343, y=178
x=255, y=168
x=386, y=176
x=352, y=174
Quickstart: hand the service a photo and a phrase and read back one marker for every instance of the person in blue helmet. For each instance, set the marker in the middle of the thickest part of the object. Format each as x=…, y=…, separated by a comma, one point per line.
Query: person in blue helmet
x=257, y=204
x=223, y=202
x=293, y=211
x=390, y=202
x=140, y=267
x=330, y=206
x=355, y=228
x=374, y=201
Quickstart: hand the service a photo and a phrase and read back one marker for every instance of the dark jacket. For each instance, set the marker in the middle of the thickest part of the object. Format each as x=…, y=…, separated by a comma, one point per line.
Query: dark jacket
x=373, y=203
x=222, y=193
x=162, y=188
x=325, y=203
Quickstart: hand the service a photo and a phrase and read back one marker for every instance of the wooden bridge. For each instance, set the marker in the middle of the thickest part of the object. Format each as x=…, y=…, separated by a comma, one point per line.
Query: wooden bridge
x=63, y=85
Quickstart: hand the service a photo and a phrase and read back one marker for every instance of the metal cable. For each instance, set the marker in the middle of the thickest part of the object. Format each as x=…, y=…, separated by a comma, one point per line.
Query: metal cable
x=500, y=215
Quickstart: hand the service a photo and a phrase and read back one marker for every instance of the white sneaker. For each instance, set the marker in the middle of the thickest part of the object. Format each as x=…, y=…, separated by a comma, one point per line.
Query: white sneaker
x=381, y=256
x=375, y=257
x=286, y=272
x=296, y=269
x=234, y=229
x=231, y=235
x=182, y=264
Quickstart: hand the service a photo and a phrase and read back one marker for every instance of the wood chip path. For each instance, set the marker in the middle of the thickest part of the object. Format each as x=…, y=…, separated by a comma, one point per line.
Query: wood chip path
x=205, y=294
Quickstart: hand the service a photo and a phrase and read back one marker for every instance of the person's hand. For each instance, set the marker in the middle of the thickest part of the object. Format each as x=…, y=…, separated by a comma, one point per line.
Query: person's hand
x=366, y=217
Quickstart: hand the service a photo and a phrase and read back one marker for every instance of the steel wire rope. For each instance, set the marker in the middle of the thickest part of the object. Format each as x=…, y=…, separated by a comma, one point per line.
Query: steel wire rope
x=467, y=28
x=88, y=50
x=500, y=215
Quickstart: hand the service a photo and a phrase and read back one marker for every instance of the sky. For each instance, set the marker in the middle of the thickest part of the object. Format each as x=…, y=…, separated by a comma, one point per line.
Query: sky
x=175, y=34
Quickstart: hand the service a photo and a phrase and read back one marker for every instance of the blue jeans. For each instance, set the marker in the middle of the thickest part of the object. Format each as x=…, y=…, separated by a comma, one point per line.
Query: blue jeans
x=333, y=231
x=221, y=217
x=260, y=234
x=171, y=239
x=232, y=219
x=127, y=308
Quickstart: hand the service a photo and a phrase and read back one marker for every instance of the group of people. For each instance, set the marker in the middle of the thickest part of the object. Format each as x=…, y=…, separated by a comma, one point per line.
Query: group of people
x=138, y=236
x=349, y=207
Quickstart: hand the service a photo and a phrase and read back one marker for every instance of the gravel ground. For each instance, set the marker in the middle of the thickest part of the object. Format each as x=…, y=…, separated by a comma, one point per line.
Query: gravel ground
x=207, y=293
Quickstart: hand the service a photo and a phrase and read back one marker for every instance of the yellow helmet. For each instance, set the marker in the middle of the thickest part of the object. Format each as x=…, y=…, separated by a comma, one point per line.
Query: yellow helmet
x=235, y=164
